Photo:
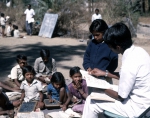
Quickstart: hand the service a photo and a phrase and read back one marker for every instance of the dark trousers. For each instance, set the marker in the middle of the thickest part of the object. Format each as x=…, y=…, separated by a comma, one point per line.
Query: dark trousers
x=29, y=28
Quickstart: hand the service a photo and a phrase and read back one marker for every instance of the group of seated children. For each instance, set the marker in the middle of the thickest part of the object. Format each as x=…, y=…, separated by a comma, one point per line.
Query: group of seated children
x=31, y=81
x=11, y=31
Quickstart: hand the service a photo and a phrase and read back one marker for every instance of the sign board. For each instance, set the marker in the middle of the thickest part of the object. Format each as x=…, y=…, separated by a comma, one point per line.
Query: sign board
x=48, y=25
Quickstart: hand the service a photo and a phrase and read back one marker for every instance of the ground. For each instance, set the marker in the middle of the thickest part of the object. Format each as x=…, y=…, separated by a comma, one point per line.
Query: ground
x=68, y=52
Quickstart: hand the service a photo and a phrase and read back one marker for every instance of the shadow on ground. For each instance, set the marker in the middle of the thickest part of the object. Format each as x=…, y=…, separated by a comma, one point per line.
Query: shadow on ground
x=59, y=52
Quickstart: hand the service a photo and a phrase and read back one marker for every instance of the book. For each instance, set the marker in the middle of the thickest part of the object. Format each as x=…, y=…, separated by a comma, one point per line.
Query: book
x=101, y=96
x=95, y=82
x=69, y=113
x=96, y=86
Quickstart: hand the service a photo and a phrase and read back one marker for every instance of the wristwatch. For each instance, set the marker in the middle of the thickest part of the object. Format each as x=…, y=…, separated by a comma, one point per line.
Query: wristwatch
x=106, y=74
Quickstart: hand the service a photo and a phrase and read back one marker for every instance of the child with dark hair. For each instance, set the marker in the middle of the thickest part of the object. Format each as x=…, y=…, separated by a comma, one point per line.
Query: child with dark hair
x=3, y=23
x=17, y=33
x=16, y=72
x=45, y=66
x=6, y=106
x=132, y=97
x=58, y=90
x=12, y=31
x=78, y=89
x=9, y=29
x=98, y=54
x=31, y=87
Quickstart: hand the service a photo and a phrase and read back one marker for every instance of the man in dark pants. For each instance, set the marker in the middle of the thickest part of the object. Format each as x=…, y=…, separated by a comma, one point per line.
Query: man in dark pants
x=29, y=19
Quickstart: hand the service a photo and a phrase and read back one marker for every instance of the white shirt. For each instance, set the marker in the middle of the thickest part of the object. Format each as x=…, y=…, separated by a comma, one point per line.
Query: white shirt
x=29, y=14
x=44, y=69
x=2, y=21
x=95, y=16
x=16, y=73
x=134, y=83
x=16, y=33
x=32, y=90
x=9, y=31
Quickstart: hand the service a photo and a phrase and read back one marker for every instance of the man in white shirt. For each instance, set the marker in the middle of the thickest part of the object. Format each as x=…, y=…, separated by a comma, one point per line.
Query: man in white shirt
x=96, y=15
x=29, y=19
x=133, y=95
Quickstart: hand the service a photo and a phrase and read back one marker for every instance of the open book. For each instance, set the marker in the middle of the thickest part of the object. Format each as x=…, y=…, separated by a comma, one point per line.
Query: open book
x=95, y=82
x=95, y=87
x=69, y=113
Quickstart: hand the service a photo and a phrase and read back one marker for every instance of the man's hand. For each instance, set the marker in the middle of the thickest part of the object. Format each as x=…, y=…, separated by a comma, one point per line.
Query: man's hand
x=97, y=72
x=89, y=70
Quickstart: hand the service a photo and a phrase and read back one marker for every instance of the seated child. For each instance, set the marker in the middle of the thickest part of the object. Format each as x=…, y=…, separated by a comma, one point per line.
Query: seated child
x=44, y=66
x=17, y=33
x=9, y=29
x=77, y=88
x=58, y=90
x=16, y=71
x=6, y=106
x=12, y=31
x=31, y=87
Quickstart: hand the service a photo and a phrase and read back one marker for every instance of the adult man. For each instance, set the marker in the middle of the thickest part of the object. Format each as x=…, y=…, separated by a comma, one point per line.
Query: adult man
x=133, y=95
x=96, y=15
x=29, y=19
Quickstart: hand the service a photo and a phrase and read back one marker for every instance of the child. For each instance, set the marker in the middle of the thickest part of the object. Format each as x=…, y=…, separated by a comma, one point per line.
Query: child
x=17, y=33
x=133, y=93
x=44, y=66
x=58, y=90
x=98, y=54
x=16, y=71
x=31, y=88
x=12, y=31
x=77, y=88
x=3, y=23
x=9, y=29
x=96, y=15
x=6, y=106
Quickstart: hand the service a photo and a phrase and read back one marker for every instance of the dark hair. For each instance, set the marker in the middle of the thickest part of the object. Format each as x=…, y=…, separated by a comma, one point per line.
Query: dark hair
x=74, y=70
x=98, y=25
x=58, y=77
x=29, y=5
x=45, y=53
x=2, y=14
x=118, y=35
x=9, y=23
x=21, y=57
x=27, y=69
x=96, y=10
x=16, y=27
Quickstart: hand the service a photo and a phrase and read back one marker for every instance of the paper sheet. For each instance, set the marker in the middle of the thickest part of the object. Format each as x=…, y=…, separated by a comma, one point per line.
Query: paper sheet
x=95, y=82
x=101, y=96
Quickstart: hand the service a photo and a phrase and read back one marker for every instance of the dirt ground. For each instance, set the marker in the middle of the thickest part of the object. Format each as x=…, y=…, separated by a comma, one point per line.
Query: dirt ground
x=68, y=52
